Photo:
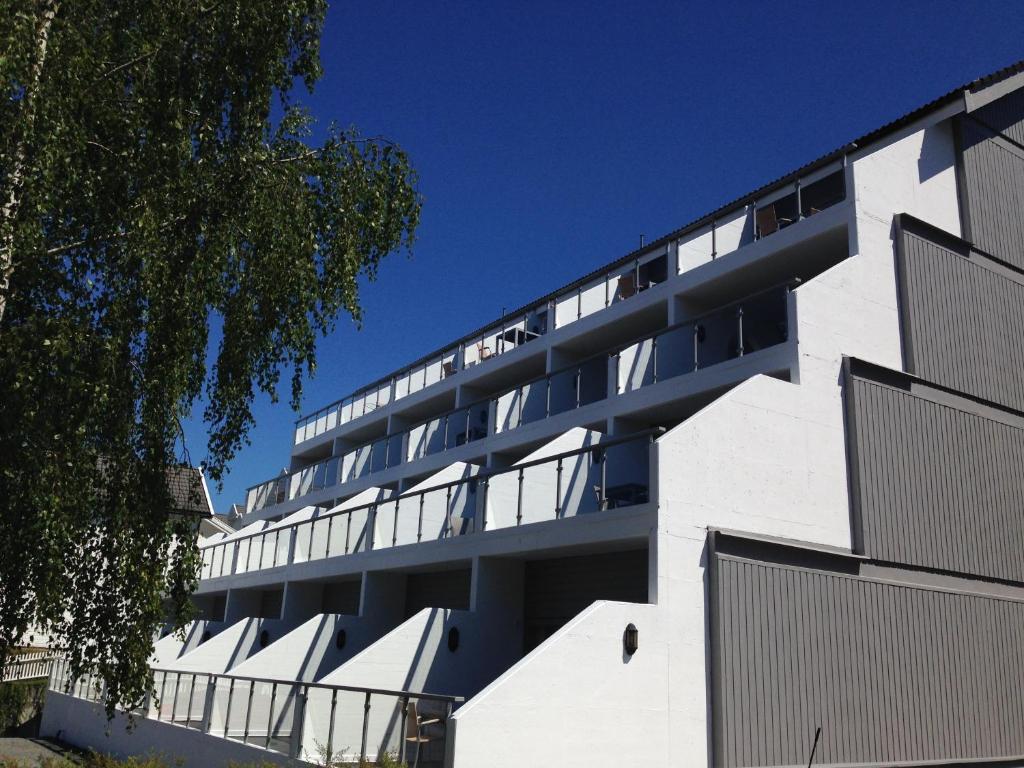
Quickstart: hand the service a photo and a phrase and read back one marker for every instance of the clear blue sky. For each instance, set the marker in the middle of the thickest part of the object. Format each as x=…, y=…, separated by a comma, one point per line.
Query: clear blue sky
x=549, y=135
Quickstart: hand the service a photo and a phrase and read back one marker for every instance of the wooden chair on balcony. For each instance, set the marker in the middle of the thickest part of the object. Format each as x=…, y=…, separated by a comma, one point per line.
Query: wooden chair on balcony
x=449, y=368
x=768, y=222
x=627, y=285
x=421, y=729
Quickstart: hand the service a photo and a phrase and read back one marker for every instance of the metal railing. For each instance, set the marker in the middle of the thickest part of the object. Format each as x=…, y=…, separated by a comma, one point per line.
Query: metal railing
x=799, y=196
x=27, y=665
x=576, y=481
x=748, y=325
x=302, y=720
x=303, y=481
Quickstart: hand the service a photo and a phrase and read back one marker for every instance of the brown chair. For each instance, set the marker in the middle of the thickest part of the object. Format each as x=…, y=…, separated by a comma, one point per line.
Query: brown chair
x=448, y=368
x=627, y=285
x=420, y=729
x=769, y=222
x=483, y=352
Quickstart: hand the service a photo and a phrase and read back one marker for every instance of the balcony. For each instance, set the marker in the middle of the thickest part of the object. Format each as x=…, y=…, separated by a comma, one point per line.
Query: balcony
x=725, y=231
x=755, y=323
x=295, y=719
x=610, y=475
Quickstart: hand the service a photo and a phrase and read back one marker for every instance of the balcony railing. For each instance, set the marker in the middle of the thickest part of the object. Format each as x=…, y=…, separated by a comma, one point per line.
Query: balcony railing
x=754, y=323
x=725, y=231
x=315, y=477
x=612, y=474
x=296, y=719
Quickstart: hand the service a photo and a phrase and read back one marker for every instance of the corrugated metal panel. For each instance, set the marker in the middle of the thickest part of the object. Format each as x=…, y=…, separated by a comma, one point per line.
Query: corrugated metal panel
x=1005, y=115
x=992, y=189
x=891, y=673
x=963, y=322
x=936, y=486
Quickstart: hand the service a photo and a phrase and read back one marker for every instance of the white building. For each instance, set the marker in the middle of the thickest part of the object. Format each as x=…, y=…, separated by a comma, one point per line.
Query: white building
x=748, y=496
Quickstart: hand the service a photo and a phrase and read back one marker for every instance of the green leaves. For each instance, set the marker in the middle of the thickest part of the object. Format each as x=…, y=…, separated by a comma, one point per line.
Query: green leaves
x=158, y=196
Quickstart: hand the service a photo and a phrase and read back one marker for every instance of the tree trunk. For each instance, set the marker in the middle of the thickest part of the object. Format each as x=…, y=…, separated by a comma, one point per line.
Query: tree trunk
x=16, y=175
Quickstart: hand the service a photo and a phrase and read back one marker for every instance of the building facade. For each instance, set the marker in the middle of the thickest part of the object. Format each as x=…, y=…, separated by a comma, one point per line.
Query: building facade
x=749, y=496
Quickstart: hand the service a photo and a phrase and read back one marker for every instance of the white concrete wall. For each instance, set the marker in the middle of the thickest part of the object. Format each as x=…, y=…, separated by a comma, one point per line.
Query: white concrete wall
x=84, y=724
x=577, y=700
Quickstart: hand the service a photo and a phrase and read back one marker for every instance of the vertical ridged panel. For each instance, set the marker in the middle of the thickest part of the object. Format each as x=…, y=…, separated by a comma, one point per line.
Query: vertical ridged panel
x=891, y=673
x=992, y=172
x=937, y=487
x=964, y=322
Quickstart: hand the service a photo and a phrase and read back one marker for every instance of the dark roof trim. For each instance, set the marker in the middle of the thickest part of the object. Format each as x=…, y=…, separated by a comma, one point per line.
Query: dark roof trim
x=837, y=154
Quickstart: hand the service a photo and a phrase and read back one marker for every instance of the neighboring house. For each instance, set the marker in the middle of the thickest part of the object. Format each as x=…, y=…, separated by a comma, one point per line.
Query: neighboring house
x=748, y=496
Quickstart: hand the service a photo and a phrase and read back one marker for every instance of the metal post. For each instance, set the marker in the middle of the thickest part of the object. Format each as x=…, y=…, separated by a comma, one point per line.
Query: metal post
x=191, y=691
x=739, y=317
x=211, y=691
x=696, y=342
x=579, y=302
x=348, y=532
x=654, y=358
x=519, y=499
x=558, y=490
x=270, y=717
x=330, y=728
x=486, y=485
x=248, y=711
x=467, y=424
x=579, y=379
x=447, y=512
x=298, y=722
x=394, y=533
x=366, y=724
x=547, y=397
x=401, y=743
x=174, y=700
x=327, y=544
x=714, y=241
x=419, y=524
x=607, y=292
x=603, y=503
x=799, y=202
x=445, y=443
x=227, y=709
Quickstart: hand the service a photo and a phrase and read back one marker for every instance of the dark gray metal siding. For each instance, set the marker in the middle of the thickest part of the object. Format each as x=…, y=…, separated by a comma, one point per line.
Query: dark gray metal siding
x=963, y=320
x=891, y=673
x=991, y=176
x=935, y=485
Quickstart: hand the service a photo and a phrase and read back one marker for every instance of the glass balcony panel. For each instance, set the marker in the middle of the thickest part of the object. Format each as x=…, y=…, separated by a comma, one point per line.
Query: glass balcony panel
x=454, y=428
x=259, y=714
x=338, y=534
x=534, y=402
x=396, y=444
x=435, y=514
x=765, y=321
x=636, y=366
x=507, y=410
x=675, y=352
x=594, y=380
x=539, y=493
x=563, y=390
x=357, y=523
x=384, y=522
x=245, y=555
x=593, y=298
x=283, y=545
x=303, y=542
x=718, y=338
x=379, y=456
x=627, y=474
x=567, y=309
x=282, y=720
x=580, y=485
x=318, y=537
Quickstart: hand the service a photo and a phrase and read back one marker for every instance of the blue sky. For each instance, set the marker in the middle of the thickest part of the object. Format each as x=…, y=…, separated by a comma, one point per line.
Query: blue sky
x=549, y=136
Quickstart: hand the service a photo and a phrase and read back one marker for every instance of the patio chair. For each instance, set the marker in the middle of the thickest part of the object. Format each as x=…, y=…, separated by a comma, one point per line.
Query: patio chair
x=627, y=285
x=420, y=729
x=769, y=222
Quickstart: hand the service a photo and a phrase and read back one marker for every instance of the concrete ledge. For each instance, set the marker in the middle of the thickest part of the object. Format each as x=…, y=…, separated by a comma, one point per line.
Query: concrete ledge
x=83, y=724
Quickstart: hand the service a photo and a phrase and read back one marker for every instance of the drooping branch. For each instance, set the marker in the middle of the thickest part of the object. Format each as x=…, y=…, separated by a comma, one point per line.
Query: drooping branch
x=16, y=175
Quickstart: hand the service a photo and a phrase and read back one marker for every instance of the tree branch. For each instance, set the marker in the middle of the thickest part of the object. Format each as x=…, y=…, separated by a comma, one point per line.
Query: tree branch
x=16, y=176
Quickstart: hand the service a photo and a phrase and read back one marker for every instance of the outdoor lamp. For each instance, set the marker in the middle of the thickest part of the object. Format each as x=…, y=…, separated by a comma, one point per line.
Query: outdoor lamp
x=631, y=639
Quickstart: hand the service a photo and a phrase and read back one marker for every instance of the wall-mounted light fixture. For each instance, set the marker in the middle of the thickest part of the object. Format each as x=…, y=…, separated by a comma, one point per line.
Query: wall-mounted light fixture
x=453, y=639
x=339, y=639
x=631, y=639
x=264, y=638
